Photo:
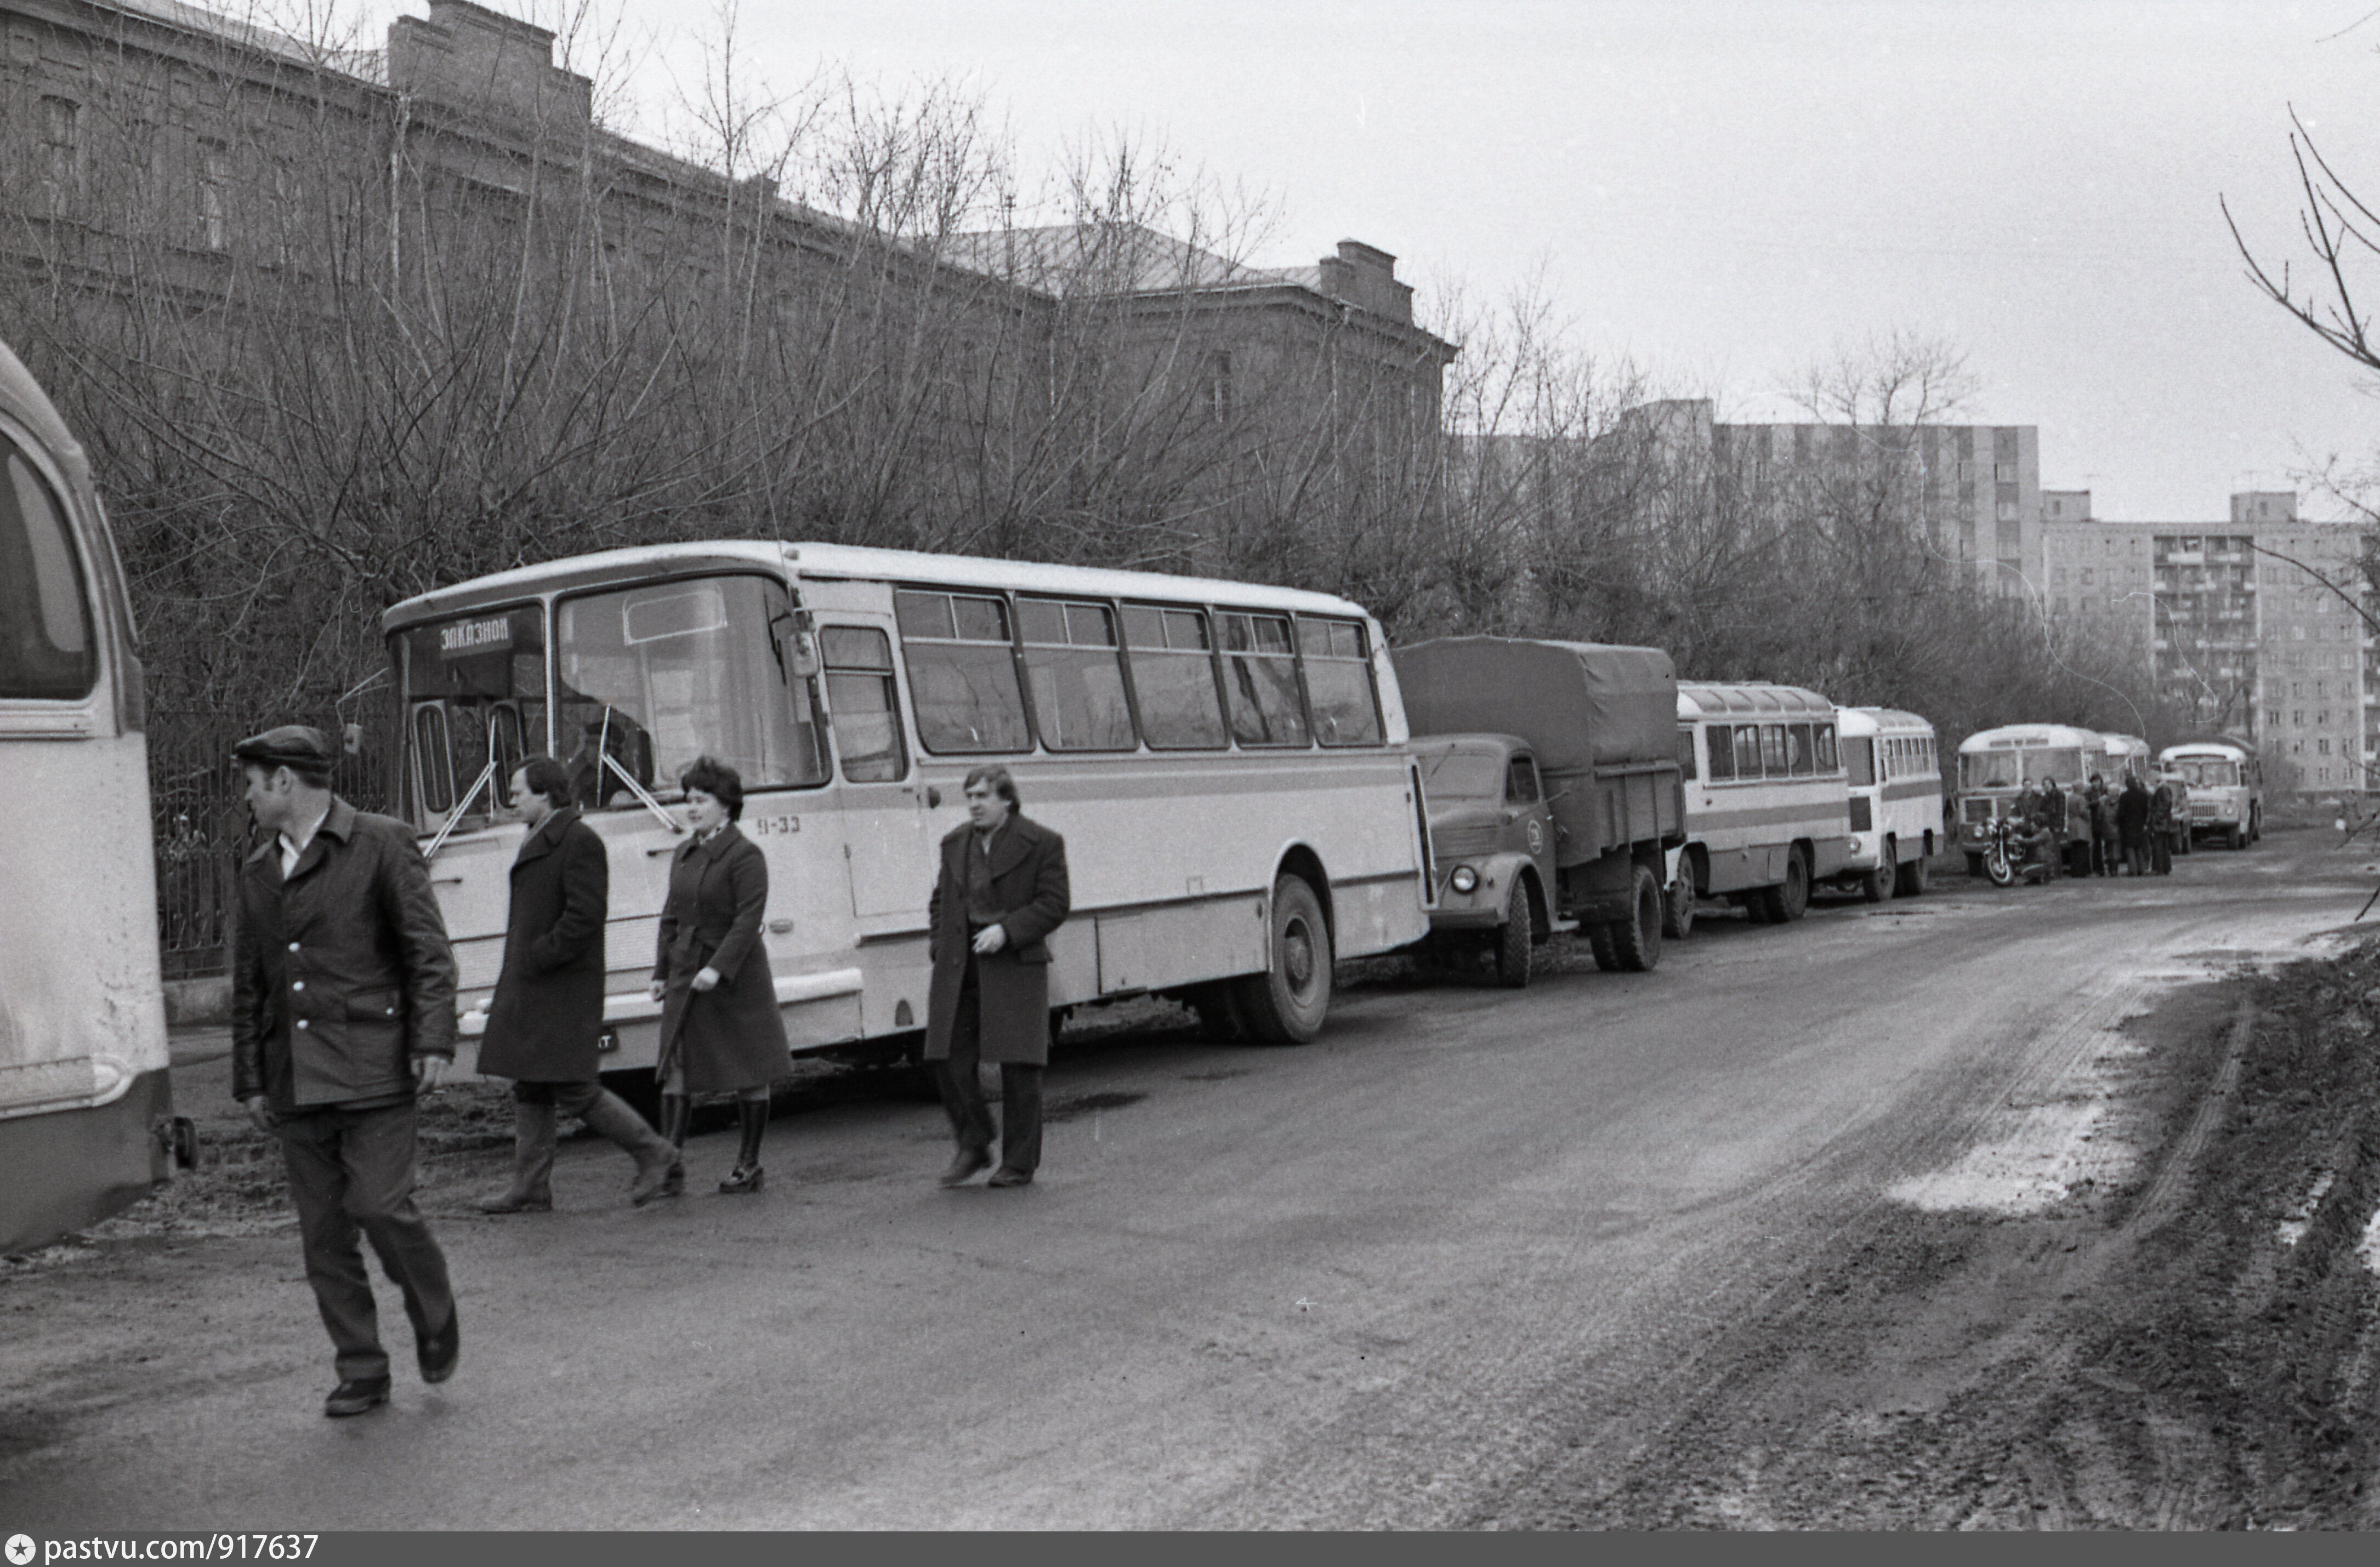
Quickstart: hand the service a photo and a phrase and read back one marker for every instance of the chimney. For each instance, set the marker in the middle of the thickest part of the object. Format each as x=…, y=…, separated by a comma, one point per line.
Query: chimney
x=480, y=61
x=1366, y=278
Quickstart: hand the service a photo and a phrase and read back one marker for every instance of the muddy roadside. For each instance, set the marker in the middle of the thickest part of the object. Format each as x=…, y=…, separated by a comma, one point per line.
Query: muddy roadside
x=2182, y=1331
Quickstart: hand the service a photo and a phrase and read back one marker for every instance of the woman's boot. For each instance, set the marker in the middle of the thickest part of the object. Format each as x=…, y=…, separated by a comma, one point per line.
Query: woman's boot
x=677, y=1109
x=753, y=1115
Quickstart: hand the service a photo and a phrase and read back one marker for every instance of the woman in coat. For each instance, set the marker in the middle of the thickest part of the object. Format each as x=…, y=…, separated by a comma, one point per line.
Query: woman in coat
x=721, y=1029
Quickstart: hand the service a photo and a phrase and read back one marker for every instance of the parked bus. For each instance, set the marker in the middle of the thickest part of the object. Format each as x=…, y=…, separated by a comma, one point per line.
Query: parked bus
x=2126, y=757
x=1995, y=765
x=1224, y=759
x=1896, y=799
x=85, y=1109
x=1768, y=804
x=2226, y=789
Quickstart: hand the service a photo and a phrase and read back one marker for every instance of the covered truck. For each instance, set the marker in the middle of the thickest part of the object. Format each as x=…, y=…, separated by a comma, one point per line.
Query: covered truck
x=1600, y=726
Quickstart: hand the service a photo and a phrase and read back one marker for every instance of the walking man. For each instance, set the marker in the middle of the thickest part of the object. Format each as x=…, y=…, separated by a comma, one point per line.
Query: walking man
x=2161, y=829
x=1001, y=890
x=547, y=1018
x=343, y=1011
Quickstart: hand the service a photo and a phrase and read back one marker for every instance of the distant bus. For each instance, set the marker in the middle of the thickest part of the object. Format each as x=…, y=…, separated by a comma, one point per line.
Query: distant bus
x=1224, y=760
x=1896, y=799
x=2226, y=789
x=1994, y=766
x=2126, y=757
x=85, y=1109
x=1768, y=804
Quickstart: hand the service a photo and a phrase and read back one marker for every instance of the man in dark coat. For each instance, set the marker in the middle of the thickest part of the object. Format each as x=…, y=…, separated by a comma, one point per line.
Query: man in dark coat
x=343, y=1011
x=547, y=1015
x=2132, y=826
x=1001, y=891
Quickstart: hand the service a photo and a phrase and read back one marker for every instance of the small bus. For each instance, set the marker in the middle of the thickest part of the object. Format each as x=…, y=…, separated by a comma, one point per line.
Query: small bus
x=86, y=1122
x=1896, y=799
x=2226, y=782
x=2126, y=757
x=1767, y=803
x=1996, y=767
x=1224, y=759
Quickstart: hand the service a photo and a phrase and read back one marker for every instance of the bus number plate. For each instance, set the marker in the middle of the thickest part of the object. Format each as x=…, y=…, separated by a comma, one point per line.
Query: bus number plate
x=607, y=1041
x=765, y=826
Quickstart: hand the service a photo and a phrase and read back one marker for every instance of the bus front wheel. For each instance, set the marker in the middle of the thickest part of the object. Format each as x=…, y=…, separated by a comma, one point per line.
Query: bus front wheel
x=1286, y=1004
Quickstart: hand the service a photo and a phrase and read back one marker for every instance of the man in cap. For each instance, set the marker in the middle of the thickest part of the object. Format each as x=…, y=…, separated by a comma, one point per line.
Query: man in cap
x=343, y=1011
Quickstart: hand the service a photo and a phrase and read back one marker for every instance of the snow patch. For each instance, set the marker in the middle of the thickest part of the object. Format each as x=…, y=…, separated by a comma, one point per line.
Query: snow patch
x=2293, y=1228
x=2031, y=1156
x=2370, y=1249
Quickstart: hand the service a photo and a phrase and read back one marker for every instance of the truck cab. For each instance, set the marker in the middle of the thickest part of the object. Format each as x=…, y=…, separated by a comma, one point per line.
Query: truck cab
x=1492, y=837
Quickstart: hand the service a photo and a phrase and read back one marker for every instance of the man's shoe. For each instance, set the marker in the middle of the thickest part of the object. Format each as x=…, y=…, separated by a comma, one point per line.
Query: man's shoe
x=965, y=1164
x=518, y=1202
x=357, y=1395
x=441, y=1349
x=1005, y=1177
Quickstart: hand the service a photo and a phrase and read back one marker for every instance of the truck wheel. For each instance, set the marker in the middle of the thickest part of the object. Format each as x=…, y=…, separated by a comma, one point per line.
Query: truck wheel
x=1286, y=1004
x=1911, y=881
x=1636, y=942
x=1677, y=907
x=1606, y=951
x=1513, y=939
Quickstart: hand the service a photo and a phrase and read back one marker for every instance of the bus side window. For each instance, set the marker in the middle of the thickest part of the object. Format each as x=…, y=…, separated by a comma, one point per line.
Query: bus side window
x=1826, y=753
x=1773, y=760
x=1173, y=658
x=1261, y=666
x=863, y=703
x=962, y=672
x=1722, y=741
x=49, y=652
x=1073, y=670
x=1686, y=754
x=1748, y=751
x=1338, y=681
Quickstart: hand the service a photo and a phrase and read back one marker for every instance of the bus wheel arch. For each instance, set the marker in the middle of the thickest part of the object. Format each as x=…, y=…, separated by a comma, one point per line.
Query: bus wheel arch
x=1286, y=1002
x=1300, y=861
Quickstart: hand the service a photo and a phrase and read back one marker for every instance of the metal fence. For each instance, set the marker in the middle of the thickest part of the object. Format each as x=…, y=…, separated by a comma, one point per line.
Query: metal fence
x=203, y=826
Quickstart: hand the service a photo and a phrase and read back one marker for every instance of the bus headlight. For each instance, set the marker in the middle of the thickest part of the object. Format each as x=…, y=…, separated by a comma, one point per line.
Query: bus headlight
x=1464, y=879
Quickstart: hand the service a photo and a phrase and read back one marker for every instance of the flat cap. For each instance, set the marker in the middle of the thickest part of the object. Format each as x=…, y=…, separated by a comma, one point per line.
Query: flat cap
x=292, y=745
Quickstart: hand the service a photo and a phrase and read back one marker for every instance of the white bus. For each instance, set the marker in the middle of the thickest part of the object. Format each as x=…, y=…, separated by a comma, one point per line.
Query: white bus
x=2226, y=789
x=2126, y=757
x=1767, y=805
x=1996, y=767
x=86, y=1108
x=1224, y=761
x=1896, y=799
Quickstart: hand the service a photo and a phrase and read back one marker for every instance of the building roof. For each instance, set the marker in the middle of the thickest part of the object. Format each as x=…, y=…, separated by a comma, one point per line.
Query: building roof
x=1107, y=259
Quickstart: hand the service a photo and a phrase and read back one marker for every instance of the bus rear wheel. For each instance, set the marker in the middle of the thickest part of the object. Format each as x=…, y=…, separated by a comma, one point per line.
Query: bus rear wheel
x=1789, y=899
x=1636, y=941
x=1286, y=1004
x=1677, y=907
x=1876, y=884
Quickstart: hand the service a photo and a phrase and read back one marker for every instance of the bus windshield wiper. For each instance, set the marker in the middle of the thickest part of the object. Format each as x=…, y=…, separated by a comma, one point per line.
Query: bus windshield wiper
x=486, y=775
x=655, y=806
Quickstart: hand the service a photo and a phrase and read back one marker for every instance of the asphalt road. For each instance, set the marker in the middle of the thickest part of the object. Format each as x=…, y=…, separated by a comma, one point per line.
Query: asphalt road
x=1361, y=1283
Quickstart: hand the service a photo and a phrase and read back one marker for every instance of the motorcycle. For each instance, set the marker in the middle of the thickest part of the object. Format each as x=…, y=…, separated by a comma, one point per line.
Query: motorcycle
x=2002, y=857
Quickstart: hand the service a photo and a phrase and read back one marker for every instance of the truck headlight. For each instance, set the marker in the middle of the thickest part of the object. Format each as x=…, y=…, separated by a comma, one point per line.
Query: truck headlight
x=1464, y=879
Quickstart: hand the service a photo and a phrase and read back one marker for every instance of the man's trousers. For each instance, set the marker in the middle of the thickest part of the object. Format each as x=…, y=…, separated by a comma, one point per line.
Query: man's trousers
x=350, y=1172
x=1020, y=1090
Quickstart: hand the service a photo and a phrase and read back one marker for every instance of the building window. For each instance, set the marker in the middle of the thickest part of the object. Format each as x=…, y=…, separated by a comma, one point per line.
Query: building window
x=61, y=151
x=214, y=181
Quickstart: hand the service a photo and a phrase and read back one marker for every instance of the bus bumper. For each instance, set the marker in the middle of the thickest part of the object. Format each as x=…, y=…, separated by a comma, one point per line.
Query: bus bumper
x=68, y=1169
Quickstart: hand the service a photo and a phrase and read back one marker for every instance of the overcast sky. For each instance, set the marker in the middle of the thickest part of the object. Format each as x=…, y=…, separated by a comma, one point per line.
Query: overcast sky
x=1722, y=191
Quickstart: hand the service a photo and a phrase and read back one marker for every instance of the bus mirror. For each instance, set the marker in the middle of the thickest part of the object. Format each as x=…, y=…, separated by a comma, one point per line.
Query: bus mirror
x=352, y=737
x=805, y=653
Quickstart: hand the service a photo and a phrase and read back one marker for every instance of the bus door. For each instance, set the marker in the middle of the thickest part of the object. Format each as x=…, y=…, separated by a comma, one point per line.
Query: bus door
x=889, y=823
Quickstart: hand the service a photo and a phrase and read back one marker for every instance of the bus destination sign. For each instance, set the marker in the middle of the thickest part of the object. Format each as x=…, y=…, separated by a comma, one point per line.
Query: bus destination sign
x=463, y=639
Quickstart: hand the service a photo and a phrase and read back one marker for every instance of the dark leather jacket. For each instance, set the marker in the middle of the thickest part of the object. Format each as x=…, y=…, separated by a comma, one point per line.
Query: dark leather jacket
x=342, y=974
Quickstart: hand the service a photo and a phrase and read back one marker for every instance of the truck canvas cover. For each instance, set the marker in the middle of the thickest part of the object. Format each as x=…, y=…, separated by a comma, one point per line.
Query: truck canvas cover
x=1581, y=705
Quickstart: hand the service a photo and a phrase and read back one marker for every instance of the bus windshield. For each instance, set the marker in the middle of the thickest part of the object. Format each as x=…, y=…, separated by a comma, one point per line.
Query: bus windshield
x=2206, y=772
x=659, y=675
x=474, y=690
x=2015, y=767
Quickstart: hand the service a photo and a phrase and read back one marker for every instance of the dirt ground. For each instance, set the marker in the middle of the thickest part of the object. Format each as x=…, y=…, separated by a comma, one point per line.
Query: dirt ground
x=2194, y=1345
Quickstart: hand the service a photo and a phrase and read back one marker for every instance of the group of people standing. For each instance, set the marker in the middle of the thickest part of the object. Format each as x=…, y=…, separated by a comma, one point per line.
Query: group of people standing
x=344, y=990
x=2134, y=827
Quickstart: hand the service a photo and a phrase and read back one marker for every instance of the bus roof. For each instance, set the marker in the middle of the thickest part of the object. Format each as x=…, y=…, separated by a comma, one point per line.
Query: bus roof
x=2027, y=737
x=2219, y=748
x=848, y=563
x=1856, y=722
x=1701, y=699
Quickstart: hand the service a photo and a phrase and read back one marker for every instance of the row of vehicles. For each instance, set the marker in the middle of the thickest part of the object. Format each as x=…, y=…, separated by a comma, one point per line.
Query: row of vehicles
x=1253, y=787
x=1997, y=768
